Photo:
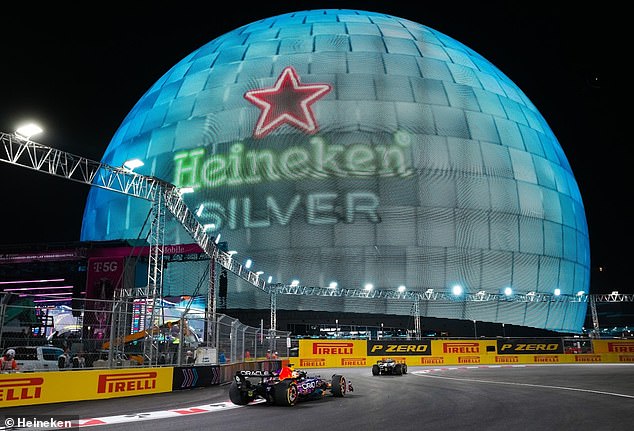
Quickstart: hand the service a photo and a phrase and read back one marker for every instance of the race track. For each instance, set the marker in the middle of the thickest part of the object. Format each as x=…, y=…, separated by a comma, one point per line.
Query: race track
x=527, y=397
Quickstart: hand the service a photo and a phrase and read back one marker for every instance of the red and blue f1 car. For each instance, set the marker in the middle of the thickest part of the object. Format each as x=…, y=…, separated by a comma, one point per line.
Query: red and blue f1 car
x=284, y=387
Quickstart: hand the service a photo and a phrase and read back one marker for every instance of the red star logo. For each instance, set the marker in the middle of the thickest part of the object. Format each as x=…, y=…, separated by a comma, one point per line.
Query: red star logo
x=287, y=102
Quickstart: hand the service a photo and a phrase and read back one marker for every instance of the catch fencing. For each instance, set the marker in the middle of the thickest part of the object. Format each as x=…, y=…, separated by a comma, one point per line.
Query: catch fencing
x=134, y=333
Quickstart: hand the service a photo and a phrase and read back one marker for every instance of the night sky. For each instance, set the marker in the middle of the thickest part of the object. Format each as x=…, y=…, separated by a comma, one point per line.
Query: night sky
x=79, y=72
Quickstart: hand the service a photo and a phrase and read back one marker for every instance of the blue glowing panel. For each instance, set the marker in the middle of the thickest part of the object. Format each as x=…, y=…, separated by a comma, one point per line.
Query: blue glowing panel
x=356, y=147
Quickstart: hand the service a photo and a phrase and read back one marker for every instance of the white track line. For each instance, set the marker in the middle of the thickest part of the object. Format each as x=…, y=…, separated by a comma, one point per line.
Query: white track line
x=563, y=388
x=161, y=414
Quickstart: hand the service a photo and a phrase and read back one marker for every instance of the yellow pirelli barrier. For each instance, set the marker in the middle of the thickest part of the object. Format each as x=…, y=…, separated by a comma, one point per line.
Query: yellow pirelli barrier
x=615, y=350
x=432, y=352
x=332, y=353
x=18, y=389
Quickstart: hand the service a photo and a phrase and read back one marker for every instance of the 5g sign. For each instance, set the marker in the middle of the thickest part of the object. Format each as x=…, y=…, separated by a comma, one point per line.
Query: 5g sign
x=104, y=271
x=105, y=266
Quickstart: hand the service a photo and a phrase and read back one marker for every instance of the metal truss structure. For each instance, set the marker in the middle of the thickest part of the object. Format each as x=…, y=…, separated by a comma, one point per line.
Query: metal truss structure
x=23, y=152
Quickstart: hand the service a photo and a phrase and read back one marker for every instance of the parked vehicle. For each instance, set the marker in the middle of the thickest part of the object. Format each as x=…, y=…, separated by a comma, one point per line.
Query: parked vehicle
x=36, y=358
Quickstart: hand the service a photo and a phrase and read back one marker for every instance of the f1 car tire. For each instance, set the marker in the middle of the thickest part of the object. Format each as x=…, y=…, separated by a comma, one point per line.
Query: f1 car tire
x=404, y=368
x=398, y=369
x=285, y=393
x=237, y=396
x=339, y=385
x=375, y=370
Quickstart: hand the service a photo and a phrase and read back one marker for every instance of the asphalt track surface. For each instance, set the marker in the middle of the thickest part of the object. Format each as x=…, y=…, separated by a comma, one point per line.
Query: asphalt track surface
x=524, y=397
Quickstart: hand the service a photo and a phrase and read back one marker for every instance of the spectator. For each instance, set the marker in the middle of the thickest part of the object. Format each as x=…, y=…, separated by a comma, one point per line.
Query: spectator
x=247, y=355
x=79, y=361
x=175, y=332
x=189, y=357
x=8, y=362
x=64, y=360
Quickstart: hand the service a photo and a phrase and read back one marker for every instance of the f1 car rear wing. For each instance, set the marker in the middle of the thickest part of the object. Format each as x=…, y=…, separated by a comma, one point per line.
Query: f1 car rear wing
x=263, y=374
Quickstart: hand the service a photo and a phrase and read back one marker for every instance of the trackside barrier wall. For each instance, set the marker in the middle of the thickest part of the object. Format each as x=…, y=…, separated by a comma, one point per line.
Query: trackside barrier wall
x=362, y=353
x=19, y=389
x=31, y=388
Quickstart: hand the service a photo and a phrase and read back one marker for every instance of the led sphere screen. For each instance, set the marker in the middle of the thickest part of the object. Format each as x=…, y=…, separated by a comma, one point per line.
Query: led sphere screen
x=357, y=148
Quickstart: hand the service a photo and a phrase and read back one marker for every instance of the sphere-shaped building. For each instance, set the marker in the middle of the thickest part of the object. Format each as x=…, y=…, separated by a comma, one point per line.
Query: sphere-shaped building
x=357, y=147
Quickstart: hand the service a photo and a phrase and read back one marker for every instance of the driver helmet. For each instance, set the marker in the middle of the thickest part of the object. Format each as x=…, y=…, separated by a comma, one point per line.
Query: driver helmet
x=10, y=353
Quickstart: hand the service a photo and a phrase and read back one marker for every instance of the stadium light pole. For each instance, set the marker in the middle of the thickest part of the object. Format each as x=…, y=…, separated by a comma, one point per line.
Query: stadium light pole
x=27, y=130
x=132, y=164
x=475, y=330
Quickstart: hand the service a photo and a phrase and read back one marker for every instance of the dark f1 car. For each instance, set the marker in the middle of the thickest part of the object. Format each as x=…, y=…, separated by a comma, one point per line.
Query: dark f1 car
x=389, y=366
x=285, y=387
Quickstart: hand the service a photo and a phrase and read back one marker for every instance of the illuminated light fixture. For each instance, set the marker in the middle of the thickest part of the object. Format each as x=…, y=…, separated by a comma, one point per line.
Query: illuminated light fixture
x=332, y=285
x=259, y=273
x=402, y=288
x=34, y=288
x=231, y=253
x=615, y=292
x=45, y=295
x=185, y=190
x=199, y=211
x=248, y=263
x=28, y=130
x=52, y=300
x=481, y=293
x=368, y=286
x=294, y=283
x=270, y=279
x=457, y=290
x=31, y=281
x=581, y=293
x=132, y=164
x=508, y=291
x=217, y=239
x=557, y=292
x=210, y=226
x=429, y=291
x=531, y=294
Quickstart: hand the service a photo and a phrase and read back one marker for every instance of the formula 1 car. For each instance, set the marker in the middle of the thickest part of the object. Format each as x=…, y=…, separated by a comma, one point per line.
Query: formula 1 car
x=284, y=387
x=389, y=366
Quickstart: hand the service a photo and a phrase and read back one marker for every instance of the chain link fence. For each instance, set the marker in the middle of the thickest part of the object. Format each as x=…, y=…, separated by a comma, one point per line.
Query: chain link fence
x=131, y=332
